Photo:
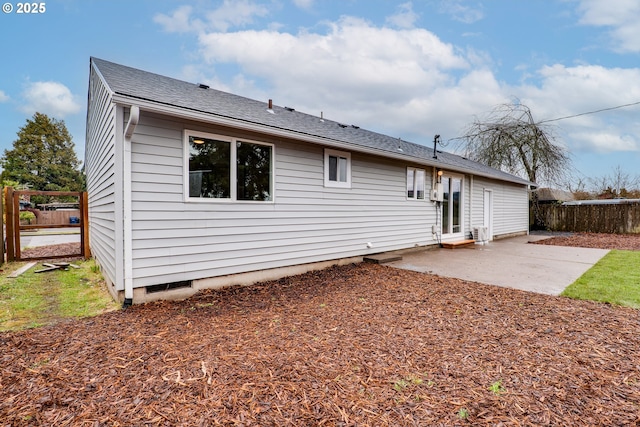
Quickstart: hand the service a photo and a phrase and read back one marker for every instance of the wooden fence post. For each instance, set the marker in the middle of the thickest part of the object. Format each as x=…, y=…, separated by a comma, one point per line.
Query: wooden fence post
x=8, y=201
x=2, y=244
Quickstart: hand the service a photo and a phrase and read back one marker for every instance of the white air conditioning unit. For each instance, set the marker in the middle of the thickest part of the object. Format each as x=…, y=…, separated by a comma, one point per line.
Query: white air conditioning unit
x=481, y=234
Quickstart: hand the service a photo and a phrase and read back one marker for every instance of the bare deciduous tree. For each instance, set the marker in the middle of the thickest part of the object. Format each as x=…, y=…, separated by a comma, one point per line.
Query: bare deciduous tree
x=509, y=138
x=618, y=184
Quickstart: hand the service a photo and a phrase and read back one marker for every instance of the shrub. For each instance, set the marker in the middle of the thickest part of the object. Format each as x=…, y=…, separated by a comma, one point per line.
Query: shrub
x=27, y=216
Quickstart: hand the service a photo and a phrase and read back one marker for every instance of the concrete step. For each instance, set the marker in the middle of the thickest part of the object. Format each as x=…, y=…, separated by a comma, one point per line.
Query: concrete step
x=382, y=258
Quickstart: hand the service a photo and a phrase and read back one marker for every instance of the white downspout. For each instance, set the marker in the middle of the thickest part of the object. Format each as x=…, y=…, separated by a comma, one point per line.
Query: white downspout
x=471, y=203
x=134, y=116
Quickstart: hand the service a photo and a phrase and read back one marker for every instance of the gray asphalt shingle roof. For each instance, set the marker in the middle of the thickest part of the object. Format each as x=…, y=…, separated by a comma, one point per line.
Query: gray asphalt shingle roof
x=137, y=84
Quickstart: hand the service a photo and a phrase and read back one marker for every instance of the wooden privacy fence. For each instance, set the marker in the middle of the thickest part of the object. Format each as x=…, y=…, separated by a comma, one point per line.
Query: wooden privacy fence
x=598, y=218
x=57, y=217
x=14, y=227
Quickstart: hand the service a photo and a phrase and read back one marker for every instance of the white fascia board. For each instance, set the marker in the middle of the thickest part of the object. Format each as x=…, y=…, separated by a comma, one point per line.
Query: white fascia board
x=200, y=116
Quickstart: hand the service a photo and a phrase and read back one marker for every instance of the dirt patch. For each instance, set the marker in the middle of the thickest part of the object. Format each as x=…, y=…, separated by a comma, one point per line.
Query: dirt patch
x=629, y=242
x=363, y=345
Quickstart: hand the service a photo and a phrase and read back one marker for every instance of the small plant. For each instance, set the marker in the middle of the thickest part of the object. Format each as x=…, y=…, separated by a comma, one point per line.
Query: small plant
x=463, y=414
x=400, y=385
x=27, y=216
x=403, y=383
x=496, y=388
x=202, y=305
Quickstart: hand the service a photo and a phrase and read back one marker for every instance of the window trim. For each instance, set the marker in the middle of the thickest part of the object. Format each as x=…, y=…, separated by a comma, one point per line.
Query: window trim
x=335, y=153
x=415, y=182
x=233, y=170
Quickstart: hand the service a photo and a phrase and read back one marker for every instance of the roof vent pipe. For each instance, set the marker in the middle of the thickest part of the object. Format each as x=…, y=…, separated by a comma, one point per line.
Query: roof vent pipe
x=435, y=144
x=270, y=109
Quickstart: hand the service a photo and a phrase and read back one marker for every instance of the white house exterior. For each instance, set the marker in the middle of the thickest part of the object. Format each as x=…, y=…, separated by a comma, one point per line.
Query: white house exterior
x=190, y=188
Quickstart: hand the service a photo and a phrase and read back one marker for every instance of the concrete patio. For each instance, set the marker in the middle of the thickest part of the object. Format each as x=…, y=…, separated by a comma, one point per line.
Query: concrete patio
x=512, y=262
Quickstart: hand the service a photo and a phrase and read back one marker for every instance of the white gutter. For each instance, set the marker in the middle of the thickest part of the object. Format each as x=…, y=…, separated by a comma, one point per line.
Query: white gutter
x=134, y=116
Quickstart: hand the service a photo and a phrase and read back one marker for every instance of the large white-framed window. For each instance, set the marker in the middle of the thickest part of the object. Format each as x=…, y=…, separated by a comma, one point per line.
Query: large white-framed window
x=337, y=168
x=416, y=183
x=219, y=168
x=452, y=205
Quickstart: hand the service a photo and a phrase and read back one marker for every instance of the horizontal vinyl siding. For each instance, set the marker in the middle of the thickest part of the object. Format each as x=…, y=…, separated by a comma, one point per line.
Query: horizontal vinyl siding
x=476, y=208
x=510, y=206
x=100, y=173
x=511, y=210
x=176, y=240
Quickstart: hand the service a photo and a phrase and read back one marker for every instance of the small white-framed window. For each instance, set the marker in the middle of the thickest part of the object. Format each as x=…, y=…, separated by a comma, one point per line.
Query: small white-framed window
x=223, y=168
x=337, y=168
x=416, y=183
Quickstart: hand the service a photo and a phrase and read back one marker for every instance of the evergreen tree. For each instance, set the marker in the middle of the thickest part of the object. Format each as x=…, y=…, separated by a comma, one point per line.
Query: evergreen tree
x=43, y=157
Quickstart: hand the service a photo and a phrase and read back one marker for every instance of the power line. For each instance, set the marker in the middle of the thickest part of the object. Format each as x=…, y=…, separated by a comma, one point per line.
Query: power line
x=590, y=112
x=558, y=119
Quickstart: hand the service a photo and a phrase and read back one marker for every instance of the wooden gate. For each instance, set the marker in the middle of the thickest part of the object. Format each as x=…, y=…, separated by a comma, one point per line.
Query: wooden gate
x=14, y=227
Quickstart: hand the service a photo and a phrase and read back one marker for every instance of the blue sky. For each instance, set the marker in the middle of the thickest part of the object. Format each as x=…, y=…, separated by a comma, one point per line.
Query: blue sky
x=408, y=69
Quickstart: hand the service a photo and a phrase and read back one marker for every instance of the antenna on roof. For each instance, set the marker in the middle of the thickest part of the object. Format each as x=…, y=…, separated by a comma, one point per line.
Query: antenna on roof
x=436, y=139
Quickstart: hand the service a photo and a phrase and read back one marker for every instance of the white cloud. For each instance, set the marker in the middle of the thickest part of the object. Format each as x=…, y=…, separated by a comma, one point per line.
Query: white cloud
x=354, y=72
x=606, y=141
x=303, y=4
x=3, y=97
x=621, y=16
x=404, y=18
x=460, y=12
x=179, y=21
x=50, y=98
x=235, y=13
x=231, y=13
x=567, y=91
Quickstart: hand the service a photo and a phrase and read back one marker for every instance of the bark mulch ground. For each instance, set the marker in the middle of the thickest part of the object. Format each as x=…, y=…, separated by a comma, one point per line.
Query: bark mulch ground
x=630, y=242
x=358, y=345
x=70, y=249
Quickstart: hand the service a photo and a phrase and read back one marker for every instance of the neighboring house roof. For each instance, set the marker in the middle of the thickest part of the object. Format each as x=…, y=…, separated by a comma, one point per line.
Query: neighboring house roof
x=553, y=195
x=136, y=86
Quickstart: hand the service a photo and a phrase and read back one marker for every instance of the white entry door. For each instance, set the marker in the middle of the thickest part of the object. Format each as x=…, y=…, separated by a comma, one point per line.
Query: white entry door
x=488, y=212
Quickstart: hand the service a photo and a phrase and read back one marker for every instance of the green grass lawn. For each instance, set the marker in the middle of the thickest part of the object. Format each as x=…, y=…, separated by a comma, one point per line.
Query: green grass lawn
x=36, y=299
x=614, y=279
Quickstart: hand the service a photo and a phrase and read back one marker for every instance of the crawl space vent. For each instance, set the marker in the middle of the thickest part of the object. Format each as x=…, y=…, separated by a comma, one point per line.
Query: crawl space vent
x=168, y=286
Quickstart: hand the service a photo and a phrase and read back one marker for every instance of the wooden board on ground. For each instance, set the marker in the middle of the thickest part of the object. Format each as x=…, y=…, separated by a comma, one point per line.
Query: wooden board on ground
x=55, y=266
x=22, y=270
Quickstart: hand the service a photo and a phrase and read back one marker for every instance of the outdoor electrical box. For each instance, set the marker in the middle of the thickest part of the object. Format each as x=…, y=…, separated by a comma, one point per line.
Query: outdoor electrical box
x=437, y=193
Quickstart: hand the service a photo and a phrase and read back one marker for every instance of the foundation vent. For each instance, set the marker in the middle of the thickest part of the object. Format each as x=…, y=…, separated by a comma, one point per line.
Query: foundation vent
x=168, y=286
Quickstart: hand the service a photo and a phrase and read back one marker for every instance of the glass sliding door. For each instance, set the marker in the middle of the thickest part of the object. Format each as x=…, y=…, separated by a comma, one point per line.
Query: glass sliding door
x=456, y=205
x=452, y=209
x=446, y=204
